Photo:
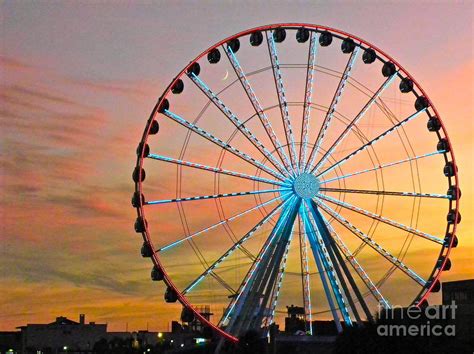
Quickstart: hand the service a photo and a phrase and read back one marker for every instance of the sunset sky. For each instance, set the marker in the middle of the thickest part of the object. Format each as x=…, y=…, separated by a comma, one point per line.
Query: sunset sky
x=78, y=82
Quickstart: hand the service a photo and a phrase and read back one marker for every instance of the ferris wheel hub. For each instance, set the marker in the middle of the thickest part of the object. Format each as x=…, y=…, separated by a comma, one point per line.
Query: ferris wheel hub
x=306, y=185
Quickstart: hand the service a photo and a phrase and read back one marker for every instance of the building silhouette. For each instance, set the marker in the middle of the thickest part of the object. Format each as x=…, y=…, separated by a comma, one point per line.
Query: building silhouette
x=67, y=336
x=61, y=336
x=462, y=293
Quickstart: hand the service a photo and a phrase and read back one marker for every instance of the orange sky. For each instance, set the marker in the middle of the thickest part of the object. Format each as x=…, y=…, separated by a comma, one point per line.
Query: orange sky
x=77, y=85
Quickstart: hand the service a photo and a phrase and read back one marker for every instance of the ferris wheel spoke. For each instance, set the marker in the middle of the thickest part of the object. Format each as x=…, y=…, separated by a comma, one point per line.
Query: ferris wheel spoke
x=237, y=245
x=339, y=263
x=332, y=108
x=358, y=117
x=277, y=287
x=223, y=283
x=381, y=219
x=369, y=241
x=222, y=144
x=266, y=279
x=237, y=123
x=258, y=108
x=382, y=166
x=282, y=100
x=215, y=196
x=238, y=308
x=207, y=229
x=305, y=277
x=372, y=142
x=336, y=263
x=377, y=192
x=308, y=93
x=356, y=265
x=325, y=270
x=215, y=169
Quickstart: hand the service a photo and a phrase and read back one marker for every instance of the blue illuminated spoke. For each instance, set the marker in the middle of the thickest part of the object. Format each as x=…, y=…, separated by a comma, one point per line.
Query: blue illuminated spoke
x=222, y=144
x=356, y=266
x=369, y=241
x=251, y=272
x=349, y=127
x=282, y=100
x=329, y=265
x=375, y=192
x=215, y=169
x=323, y=267
x=305, y=278
x=281, y=272
x=381, y=219
x=308, y=96
x=332, y=108
x=222, y=222
x=238, y=123
x=371, y=142
x=258, y=108
x=268, y=281
x=390, y=164
x=237, y=245
x=214, y=196
x=246, y=281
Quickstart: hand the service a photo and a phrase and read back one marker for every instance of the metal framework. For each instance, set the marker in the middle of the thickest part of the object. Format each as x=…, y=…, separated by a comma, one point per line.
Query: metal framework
x=304, y=169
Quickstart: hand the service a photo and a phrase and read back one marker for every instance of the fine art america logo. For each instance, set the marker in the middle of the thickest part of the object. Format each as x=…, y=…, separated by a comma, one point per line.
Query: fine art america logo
x=414, y=321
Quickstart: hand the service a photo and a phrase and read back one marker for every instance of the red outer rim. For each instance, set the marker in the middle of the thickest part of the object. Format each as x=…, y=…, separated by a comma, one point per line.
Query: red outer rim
x=138, y=186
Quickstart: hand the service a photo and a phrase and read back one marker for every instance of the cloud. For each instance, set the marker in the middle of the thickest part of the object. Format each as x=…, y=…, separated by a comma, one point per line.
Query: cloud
x=13, y=63
x=42, y=95
x=15, y=102
x=125, y=88
x=55, y=146
x=52, y=266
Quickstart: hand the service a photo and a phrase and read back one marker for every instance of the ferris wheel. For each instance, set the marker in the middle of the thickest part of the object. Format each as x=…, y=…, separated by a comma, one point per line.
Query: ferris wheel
x=295, y=164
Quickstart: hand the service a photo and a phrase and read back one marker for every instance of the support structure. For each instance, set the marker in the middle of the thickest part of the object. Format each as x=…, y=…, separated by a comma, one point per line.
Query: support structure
x=250, y=306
